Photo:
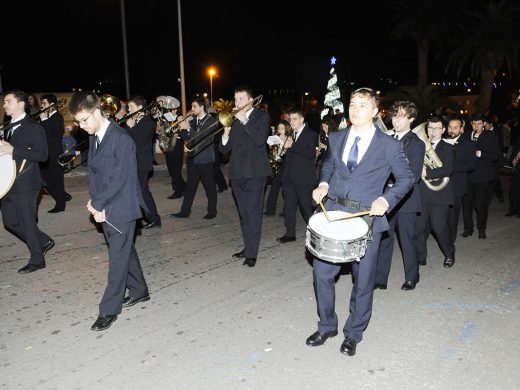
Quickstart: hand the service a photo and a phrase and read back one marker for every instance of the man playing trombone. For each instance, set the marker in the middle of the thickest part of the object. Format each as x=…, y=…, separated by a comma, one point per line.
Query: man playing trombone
x=52, y=173
x=248, y=168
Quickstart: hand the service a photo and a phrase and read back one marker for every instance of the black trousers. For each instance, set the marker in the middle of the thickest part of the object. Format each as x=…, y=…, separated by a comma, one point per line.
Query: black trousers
x=514, y=193
x=196, y=173
x=453, y=217
x=296, y=196
x=174, y=160
x=434, y=218
x=249, y=196
x=151, y=213
x=19, y=215
x=477, y=197
x=124, y=268
x=272, y=197
x=405, y=225
x=220, y=180
x=53, y=176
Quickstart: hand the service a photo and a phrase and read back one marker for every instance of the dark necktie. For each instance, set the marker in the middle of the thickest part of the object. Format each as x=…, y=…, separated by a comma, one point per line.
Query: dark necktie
x=96, y=139
x=353, y=155
x=295, y=135
x=9, y=134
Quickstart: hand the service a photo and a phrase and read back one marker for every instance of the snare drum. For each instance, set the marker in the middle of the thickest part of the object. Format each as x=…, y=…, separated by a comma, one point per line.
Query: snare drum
x=337, y=242
x=7, y=174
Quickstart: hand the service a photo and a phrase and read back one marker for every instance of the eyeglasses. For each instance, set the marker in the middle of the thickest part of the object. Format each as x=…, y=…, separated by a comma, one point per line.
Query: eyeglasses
x=84, y=120
x=294, y=118
x=434, y=128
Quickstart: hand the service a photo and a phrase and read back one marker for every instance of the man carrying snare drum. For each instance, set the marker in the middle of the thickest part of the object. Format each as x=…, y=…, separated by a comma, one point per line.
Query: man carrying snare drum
x=353, y=176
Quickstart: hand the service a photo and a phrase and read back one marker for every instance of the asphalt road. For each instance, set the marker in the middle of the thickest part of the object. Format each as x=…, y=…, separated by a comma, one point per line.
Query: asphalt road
x=212, y=323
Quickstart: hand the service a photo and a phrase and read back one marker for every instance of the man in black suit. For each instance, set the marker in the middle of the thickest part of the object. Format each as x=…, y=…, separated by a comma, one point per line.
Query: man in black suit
x=436, y=199
x=25, y=142
x=248, y=168
x=491, y=124
x=299, y=173
x=52, y=172
x=142, y=130
x=116, y=202
x=200, y=160
x=464, y=162
x=175, y=159
x=353, y=174
x=403, y=218
x=480, y=179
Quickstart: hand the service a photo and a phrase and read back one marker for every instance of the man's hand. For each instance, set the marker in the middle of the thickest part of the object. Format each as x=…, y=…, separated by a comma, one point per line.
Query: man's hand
x=5, y=148
x=319, y=193
x=99, y=216
x=379, y=207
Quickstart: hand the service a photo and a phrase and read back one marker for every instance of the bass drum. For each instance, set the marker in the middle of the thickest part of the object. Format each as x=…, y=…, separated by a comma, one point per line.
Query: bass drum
x=7, y=174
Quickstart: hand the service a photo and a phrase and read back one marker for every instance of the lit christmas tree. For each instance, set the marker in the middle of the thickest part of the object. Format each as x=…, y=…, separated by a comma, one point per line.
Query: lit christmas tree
x=333, y=96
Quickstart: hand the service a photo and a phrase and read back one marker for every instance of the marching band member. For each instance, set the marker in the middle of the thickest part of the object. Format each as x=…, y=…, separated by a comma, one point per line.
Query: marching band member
x=248, y=168
x=52, y=173
x=142, y=130
x=25, y=142
x=199, y=164
x=115, y=202
x=353, y=177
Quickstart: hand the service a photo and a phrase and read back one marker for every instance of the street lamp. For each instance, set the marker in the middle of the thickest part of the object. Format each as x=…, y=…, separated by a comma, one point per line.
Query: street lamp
x=304, y=96
x=211, y=71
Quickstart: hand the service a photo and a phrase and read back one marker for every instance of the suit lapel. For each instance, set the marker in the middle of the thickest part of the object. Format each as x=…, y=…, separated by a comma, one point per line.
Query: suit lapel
x=374, y=149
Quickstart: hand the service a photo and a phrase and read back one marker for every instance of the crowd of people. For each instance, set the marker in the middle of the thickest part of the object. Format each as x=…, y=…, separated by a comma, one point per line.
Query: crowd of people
x=410, y=182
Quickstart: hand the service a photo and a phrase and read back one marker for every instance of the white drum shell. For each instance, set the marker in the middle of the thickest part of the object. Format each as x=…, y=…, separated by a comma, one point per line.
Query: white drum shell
x=7, y=174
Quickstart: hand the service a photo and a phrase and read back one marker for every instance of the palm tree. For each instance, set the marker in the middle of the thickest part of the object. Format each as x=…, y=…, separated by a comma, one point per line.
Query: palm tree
x=424, y=22
x=489, y=43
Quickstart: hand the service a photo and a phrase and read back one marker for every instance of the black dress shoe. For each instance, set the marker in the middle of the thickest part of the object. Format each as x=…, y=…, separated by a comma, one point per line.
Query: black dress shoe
x=209, y=216
x=482, y=234
x=68, y=197
x=318, y=338
x=448, y=262
x=348, y=347
x=380, y=286
x=47, y=247
x=467, y=233
x=509, y=214
x=128, y=301
x=176, y=195
x=269, y=214
x=31, y=268
x=249, y=261
x=240, y=255
x=408, y=285
x=103, y=321
x=422, y=262
x=180, y=215
x=55, y=210
x=285, y=239
x=152, y=225
x=221, y=190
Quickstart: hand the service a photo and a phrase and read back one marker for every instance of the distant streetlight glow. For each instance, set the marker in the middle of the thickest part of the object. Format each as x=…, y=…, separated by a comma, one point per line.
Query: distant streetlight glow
x=211, y=72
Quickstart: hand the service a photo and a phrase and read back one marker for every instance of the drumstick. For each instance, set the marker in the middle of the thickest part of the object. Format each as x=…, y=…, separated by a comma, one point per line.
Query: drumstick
x=324, y=211
x=21, y=166
x=361, y=213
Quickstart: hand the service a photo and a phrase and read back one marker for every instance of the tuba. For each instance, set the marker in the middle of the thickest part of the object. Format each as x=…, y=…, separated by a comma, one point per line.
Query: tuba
x=431, y=160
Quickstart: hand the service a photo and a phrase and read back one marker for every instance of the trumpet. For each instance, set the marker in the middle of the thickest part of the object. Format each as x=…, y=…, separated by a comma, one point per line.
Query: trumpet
x=60, y=103
x=225, y=119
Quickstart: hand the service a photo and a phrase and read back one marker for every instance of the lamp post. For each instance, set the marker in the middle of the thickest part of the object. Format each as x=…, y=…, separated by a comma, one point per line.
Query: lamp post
x=304, y=96
x=211, y=72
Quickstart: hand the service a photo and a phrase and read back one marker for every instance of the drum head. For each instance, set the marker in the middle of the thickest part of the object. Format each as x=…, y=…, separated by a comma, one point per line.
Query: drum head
x=7, y=173
x=346, y=229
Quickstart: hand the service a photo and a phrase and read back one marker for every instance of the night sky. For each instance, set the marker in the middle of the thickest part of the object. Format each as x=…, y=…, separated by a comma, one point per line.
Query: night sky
x=270, y=45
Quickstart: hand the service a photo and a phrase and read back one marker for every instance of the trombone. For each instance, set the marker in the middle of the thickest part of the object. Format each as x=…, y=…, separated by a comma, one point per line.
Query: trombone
x=225, y=119
x=60, y=103
x=151, y=109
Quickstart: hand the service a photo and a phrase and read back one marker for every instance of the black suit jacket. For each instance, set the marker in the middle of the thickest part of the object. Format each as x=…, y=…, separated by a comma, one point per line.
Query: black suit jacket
x=113, y=183
x=248, y=158
x=142, y=134
x=54, y=128
x=487, y=143
x=463, y=164
x=29, y=144
x=299, y=165
x=445, y=196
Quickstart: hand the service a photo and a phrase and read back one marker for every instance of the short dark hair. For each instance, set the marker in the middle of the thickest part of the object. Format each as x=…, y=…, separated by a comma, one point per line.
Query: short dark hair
x=245, y=88
x=20, y=96
x=436, y=118
x=84, y=101
x=477, y=116
x=50, y=97
x=296, y=111
x=406, y=105
x=137, y=100
x=455, y=117
x=201, y=102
